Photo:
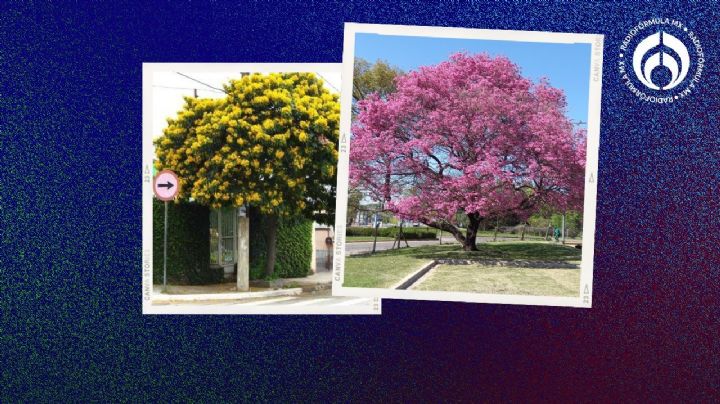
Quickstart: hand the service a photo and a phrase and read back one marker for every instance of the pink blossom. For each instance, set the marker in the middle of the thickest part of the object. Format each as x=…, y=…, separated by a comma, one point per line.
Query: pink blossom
x=468, y=135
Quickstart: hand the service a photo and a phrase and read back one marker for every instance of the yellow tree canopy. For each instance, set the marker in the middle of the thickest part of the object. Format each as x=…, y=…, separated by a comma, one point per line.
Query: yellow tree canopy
x=270, y=143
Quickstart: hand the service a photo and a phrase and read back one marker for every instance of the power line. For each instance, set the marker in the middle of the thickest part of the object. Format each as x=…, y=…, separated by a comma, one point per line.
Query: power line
x=205, y=84
x=327, y=81
x=223, y=91
x=186, y=88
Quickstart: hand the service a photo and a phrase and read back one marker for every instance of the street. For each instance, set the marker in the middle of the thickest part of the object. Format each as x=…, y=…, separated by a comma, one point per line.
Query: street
x=366, y=246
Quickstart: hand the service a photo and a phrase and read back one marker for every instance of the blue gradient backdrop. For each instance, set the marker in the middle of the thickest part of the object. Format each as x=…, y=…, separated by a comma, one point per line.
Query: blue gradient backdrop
x=70, y=258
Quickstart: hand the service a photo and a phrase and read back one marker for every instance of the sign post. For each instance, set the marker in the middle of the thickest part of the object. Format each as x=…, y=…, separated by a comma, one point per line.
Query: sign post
x=166, y=186
x=165, y=251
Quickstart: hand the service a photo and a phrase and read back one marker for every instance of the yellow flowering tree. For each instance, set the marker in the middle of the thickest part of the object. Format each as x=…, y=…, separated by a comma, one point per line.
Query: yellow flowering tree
x=270, y=144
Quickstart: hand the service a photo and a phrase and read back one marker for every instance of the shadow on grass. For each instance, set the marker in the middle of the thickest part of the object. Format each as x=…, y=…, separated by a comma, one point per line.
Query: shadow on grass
x=499, y=251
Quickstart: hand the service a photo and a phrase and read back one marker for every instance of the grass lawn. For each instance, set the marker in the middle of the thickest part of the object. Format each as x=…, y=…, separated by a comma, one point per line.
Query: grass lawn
x=502, y=280
x=379, y=270
x=385, y=268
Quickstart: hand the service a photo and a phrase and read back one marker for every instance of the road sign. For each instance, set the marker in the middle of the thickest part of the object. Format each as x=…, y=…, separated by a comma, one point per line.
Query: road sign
x=166, y=185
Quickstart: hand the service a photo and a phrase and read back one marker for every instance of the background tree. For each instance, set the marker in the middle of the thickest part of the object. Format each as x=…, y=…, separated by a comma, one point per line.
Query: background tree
x=376, y=79
x=369, y=78
x=269, y=144
x=468, y=135
x=542, y=218
x=354, y=205
x=573, y=222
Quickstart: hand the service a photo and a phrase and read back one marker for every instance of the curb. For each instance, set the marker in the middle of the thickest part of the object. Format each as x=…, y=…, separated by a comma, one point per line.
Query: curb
x=163, y=298
x=414, y=277
x=316, y=287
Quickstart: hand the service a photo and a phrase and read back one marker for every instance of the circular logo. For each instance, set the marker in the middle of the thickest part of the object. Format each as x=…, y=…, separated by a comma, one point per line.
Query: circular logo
x=661, y=60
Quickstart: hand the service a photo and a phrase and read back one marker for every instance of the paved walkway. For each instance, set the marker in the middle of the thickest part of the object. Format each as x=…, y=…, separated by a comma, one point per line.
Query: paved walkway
x=227, y=287
x=318, y=277
x=321, y=302
x=324, y=298
x=310, y=285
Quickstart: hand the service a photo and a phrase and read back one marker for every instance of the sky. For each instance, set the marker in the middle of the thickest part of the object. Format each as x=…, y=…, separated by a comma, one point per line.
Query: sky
x=169, y=88
x=566, y=66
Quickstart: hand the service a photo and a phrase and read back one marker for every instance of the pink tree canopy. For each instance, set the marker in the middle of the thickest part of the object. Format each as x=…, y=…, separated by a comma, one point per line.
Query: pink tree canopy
x=468, y=135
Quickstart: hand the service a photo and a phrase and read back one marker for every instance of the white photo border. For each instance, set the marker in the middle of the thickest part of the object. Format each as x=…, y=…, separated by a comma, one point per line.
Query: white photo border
x=373, y=306
x=584, y=300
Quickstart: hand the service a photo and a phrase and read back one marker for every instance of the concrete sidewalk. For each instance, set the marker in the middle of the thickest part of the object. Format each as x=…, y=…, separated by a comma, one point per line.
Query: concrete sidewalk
x=165, y=298
x=312, y=283
x=216, y=292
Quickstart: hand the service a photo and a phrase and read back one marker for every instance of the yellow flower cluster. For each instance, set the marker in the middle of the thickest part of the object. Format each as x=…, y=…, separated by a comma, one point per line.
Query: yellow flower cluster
x=257, y=146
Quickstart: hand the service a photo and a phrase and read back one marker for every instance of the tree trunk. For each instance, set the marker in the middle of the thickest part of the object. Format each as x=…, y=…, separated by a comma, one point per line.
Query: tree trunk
x=547, y=230
x=470, y=243
x=271, y=244
x=522, y=236
x=397, y=237
x=497, y=226
x=396, y=240
x=444, y=226
x=400, y=236
x=403, y=237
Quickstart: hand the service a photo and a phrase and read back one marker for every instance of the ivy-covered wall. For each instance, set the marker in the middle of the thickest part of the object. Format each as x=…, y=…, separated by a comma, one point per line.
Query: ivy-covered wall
x=294, y=247
x=188, y=254
x=189, y=246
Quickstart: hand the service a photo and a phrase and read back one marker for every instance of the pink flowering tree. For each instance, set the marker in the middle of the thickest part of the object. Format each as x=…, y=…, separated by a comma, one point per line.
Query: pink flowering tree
x=467, y=135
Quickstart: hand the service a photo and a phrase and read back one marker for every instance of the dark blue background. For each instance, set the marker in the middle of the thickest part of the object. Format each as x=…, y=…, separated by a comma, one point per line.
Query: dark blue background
x=70, y=258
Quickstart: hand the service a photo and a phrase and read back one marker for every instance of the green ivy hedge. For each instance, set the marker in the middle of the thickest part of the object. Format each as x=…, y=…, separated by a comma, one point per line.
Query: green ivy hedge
x=294, y=247
x=411, y=233
x=188, y=253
